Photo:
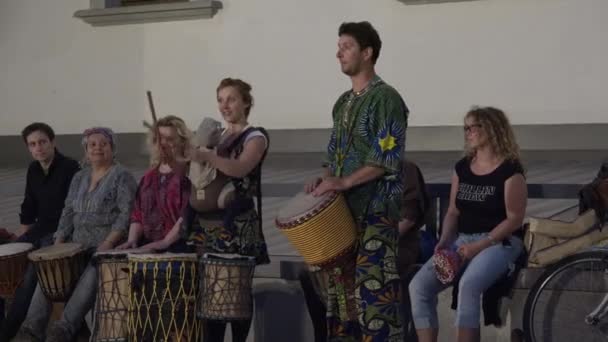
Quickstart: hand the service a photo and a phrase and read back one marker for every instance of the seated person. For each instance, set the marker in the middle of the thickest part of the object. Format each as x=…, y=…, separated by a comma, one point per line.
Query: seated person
x=487, y=206
x=96, y=215
x=164, y=189
x=414, y=207
x=46, y=186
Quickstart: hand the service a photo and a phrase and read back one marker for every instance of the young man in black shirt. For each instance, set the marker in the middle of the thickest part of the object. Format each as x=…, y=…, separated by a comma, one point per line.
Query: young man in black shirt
x=47, y=184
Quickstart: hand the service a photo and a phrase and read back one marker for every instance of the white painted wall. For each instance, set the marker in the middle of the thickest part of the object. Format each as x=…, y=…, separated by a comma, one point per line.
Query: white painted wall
x=541, y=60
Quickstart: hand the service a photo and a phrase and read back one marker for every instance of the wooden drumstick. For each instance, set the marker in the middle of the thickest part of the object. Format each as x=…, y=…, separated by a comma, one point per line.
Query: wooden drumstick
x=151, y=104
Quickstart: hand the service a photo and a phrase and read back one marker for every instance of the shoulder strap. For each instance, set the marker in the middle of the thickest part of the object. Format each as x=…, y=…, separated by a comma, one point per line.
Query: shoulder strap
x=259, y=175
x=241, y=139
x=258, y=169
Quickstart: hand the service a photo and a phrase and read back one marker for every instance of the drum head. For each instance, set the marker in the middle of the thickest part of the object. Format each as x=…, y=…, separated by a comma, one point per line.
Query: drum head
x=162, y=257
x=120, y=253
x=62, y=250
x=301, y=205
x=14, y=248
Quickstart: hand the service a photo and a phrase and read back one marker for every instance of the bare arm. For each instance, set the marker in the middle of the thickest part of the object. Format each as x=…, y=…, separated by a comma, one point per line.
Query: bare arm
x=23, y=228
x=253, y=150
x=311, y=185
x=405, y=225
x=516, y=200
x=136, y=230
x=516, y=196
x=363, y=175
x=169, y=239
x=111, y=240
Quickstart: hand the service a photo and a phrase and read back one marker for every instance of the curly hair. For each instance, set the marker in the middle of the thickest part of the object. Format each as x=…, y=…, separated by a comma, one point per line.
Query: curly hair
x=365, y=35
x=184, y=134
x=242, y=87
x=498, y=130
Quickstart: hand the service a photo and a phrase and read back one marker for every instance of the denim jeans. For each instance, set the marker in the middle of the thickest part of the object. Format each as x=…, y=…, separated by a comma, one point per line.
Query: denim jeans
x=23, y=295
x=80, y=302
x=479, y=274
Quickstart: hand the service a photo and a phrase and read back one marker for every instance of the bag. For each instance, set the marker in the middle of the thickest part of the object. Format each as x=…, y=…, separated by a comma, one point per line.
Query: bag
x=595, y=195
x=548, y=241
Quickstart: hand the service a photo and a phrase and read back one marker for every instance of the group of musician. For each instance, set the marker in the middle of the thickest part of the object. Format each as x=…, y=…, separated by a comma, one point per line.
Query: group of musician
x=99, y=204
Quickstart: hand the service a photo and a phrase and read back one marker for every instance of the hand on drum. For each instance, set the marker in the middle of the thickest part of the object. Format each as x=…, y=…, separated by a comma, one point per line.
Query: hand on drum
x=5, y=235
x=311, y=185
x=127, y=245
x=156, y=246
x=330, y=184
x=104, y=246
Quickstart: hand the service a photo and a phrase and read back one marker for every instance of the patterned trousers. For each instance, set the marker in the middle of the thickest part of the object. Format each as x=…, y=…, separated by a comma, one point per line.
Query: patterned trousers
x=376, y=292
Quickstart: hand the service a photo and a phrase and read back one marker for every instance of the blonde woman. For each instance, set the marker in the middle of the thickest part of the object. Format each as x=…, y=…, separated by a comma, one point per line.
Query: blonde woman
x=487, y=206
x=164, y=189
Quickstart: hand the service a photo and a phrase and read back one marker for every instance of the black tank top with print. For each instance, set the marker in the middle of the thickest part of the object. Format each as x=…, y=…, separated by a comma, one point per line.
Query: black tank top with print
x=480, y=199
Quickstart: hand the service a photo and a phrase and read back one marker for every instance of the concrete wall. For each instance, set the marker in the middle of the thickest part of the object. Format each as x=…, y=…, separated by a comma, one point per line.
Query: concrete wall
x=543, y=61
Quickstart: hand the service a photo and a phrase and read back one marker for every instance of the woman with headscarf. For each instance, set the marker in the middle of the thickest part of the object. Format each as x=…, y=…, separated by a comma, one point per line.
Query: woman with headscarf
x=96, y=215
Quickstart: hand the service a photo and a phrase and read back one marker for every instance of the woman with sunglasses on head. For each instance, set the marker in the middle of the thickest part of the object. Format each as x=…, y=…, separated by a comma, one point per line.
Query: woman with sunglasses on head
x=487, y=206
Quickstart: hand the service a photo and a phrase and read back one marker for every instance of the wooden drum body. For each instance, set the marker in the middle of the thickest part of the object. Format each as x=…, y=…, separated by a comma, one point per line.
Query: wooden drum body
x=112, y=305
x=225, y=287
x=13, y=263
x=59, y=268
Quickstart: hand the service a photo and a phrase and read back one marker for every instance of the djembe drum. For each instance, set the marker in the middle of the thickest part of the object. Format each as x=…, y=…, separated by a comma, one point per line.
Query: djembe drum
x=321, y=228
x=13, y=263
x=225, y=287
x=111, y=307
x=163, y=297
x=319, y=279
x=59, y=268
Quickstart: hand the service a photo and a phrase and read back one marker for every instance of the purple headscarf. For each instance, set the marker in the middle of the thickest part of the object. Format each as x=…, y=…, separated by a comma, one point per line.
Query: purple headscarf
x=106, y=132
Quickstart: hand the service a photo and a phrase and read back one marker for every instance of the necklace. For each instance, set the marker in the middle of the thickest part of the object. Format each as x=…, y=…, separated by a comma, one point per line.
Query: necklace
x=352, y=96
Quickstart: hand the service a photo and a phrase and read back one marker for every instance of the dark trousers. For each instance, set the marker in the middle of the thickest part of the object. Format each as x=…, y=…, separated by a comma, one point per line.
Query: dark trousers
x=213, y=330
x=24, y=293
x=316, y=308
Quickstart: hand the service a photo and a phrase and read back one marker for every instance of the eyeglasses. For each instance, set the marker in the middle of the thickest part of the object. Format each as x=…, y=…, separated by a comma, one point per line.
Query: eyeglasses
x=471, y=128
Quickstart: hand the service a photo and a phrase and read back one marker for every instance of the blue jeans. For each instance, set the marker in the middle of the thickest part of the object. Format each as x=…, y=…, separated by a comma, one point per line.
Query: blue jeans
x=80, y=302
x=479, y=274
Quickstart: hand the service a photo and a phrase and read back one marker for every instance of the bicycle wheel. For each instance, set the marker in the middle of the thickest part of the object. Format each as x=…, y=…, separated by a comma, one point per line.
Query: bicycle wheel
x=563, y=296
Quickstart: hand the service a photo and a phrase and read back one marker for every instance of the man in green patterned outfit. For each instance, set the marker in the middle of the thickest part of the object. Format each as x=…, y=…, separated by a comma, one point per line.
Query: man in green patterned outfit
x=364, y=161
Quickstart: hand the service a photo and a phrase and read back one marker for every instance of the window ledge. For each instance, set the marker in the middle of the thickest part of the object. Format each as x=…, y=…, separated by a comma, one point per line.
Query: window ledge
x=194, y=9
x=425, y=2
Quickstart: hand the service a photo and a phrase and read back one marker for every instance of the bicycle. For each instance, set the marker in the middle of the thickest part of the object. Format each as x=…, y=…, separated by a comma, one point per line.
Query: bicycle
x=562, y=305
